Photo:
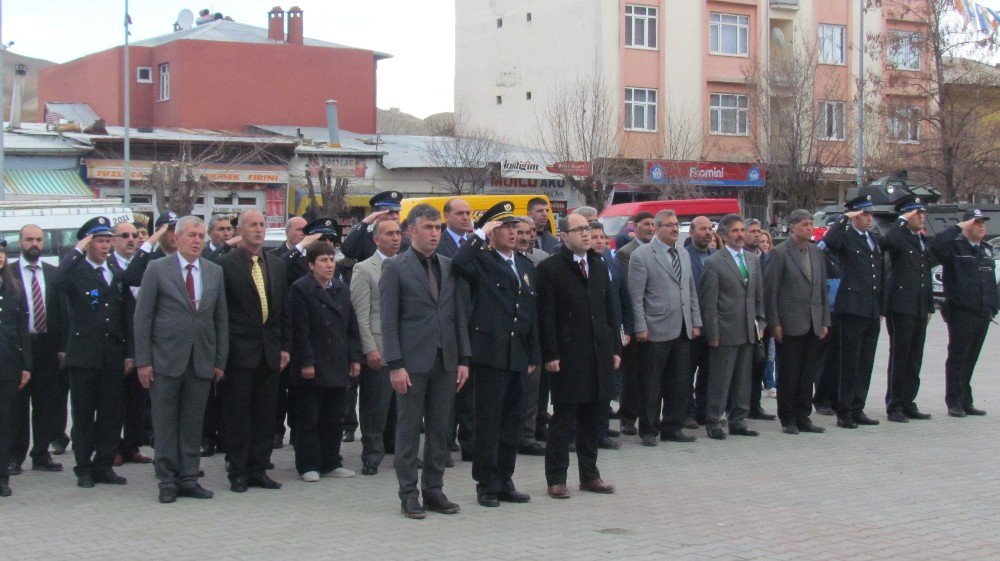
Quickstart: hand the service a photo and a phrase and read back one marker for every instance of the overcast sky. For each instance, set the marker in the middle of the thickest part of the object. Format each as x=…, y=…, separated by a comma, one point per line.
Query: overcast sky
x=420, y=34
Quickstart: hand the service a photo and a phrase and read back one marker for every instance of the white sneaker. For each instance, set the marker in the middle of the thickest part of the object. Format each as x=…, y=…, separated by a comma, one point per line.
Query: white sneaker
x=340, y=473
x=310, y=476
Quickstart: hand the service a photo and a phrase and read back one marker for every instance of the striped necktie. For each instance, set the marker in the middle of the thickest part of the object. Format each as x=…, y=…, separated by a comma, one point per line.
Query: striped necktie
x=37, y=301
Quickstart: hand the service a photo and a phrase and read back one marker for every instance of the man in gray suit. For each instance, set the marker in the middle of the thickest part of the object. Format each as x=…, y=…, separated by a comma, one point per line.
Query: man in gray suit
x=667, y=318
x=799, y=315
x=426, y=342
x=732, y=307
x=181, y=344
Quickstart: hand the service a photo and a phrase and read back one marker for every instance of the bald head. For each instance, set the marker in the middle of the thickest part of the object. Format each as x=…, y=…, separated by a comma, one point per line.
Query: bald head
x=293, y=230
x=701, y=232
x=252, y=226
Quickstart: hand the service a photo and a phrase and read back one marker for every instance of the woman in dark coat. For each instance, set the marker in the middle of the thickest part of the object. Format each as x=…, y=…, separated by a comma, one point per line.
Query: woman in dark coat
x=15, y=359
x=326, y=354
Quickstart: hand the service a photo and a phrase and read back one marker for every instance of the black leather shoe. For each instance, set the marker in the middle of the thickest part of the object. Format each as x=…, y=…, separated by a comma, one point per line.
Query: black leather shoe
x=488, y=500
x=533, y=449
x=369, y=469
x=411, y=508
x=974, y=412
x=263, y=481
x=438, y=502
x=14, y=468
x=86, y=481
x=862, y=419
x=761, y=415
x=5, y=489
x=59, y=445
x=168, y=494
x=194, y=491
x=612, y=433
x=790, y=429
x=742, y=431
x=348, y=436
x=207, y=449
x=690, y=423
x=956, y=412
x=46, y=465
x=466, y=456
x=629, y=430
x=916, y=414
x=897, y=417
x=716, y=434
x=678, y=436
x=279, y=442
x=238, y=484
x=572, y=447
x=607, y=444
x=109, y=477
x=846, y=422
x=514, y=496
x=649, y=440
x=449, y=463
x=824, y=410
x=808, y=426
x=453, y=446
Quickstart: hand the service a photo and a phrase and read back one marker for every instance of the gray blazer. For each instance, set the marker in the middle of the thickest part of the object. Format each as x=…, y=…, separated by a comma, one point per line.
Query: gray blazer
x=795, y=302
x=413, y=323
x=366, y=302
x=729, y=308
x=168, y=331
x=653, y=288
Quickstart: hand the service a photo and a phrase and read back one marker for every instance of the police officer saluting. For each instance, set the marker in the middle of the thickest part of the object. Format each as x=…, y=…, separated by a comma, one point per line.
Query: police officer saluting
x=909, y=304
x=971, y=302
x=358, y=244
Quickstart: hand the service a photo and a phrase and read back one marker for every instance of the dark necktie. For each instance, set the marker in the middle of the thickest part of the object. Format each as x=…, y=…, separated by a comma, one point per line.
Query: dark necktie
x=461, y=241
x=583, y=268
x=431, y=280
x=37, y=301
x=100, y=275
x=676, y=262
x=513, y=269
x=189, y=283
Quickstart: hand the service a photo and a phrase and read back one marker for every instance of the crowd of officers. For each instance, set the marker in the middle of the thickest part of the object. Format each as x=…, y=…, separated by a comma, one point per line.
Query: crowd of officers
x=197, y=341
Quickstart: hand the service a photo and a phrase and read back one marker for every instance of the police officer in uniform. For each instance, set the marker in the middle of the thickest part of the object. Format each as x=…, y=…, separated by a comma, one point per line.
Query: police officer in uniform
x=971, y=302
x=502, y=283
x=909, y=303
x=859, y=307
x=358, y=244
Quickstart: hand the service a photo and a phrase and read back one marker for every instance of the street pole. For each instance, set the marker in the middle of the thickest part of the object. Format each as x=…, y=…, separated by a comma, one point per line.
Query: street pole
x=860, y=118
x=3, y=125
x=126, y=74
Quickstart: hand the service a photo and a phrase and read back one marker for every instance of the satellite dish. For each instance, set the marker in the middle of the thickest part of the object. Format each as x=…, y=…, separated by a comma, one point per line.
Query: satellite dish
x=185, y=19
x=779, y=37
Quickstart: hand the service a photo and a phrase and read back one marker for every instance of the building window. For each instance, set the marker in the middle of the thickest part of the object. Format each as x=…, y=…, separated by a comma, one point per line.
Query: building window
x=729, y=34
x=144, y=75
x=640, y=27
x=904, y=50
x=499, y=23
x=527, y=96
x=831, y=120
x=640, y=109
x=904, y=125
x=529, y=16
x=831, y=44
x=164, y=82
x=729, y=114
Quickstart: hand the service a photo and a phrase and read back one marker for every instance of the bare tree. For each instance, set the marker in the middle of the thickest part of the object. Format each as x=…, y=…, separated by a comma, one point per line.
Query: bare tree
x=464, y=162
x=683, y=142
x=330, y=200
x=934, y=82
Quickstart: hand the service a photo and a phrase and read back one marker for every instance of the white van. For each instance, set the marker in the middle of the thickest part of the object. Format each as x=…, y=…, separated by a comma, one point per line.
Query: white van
x=58, y=219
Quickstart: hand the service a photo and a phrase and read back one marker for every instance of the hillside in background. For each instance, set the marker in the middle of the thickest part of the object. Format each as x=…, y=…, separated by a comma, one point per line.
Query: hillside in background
x=394, y=121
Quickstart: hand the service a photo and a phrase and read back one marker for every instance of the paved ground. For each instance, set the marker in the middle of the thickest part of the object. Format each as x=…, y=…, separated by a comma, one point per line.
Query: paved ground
x=924, y=490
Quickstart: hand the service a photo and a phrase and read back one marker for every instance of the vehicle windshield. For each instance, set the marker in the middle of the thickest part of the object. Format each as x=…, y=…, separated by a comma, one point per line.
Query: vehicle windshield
x=613, y=224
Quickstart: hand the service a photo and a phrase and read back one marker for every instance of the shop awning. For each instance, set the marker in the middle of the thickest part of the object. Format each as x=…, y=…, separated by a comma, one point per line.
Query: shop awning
x=45, y=183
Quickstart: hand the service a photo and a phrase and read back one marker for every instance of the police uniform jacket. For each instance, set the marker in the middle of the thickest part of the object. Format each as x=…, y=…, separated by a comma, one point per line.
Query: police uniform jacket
x=969, y=277
x=97, y=330
x=324, y=332
x=861, y=288
x=359, y=245
x=137, y=266
x=503, y=327
x=15, y=342
x=908, y=281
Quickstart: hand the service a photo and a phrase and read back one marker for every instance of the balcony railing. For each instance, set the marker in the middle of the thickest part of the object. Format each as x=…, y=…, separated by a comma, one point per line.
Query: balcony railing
x=786, y=4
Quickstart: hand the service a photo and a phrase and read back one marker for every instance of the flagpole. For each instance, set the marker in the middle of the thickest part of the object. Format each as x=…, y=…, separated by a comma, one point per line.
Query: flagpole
x=127, y=79
x=860, y=118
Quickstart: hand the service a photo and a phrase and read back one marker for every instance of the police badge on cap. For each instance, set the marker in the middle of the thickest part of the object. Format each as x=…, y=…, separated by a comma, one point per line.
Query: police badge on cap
x=386, y=200
x=974, y=214
x=328, y=227
x=861, y=202
x=97, y=226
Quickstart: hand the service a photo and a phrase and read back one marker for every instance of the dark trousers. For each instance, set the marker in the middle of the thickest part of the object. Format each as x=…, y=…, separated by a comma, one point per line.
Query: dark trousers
x=429, y=400
x=757, y=371
x=828, y=368
x=350, y=419
x=858, y=338
x=542, y=416
x=463, y=423
x=966, y=333
x=497, y=427
x=631, y=402
x=374, y=402
x=210, y=432
x=906, y=355
x=585, y=420
x=177, y=405
x=96, y=397
x=248, y=406
x=698, y=358
x=319, y=413
x=62, y=407
x=135, y=412
x=798, y=360
x=283, y=407
x=8, y=406
x=38, y=404
x=529, y=406
x=665, y=379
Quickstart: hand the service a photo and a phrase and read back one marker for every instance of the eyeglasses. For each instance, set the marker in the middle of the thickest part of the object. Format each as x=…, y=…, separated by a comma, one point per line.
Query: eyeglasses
x=128, y=236
x=586, y=229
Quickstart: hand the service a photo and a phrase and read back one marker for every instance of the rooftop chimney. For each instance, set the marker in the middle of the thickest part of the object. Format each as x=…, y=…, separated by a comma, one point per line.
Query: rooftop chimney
x=276, y=24
x=294, y=26
x=332, y=124
x=16, y=93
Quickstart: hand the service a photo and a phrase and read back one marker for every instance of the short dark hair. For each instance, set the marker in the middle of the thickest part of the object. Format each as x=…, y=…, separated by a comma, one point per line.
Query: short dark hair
x=727, y=222
x=423, y=211
x=596, y=225
x=140, y=226
x=536, y=201
x=641, y=215
x=798, y=215
x=319, y=248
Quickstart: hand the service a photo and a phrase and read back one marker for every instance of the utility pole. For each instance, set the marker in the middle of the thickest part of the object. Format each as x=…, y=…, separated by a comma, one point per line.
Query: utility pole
x=3, y=48
x=127, y=79
x=859, y=157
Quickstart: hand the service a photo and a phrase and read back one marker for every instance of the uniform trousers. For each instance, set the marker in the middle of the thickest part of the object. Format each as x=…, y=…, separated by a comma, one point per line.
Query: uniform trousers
x=906, y=354
x=464, y=418
x=38, y=404
x=135, y=411
x=318, y=417
x=798, y=361
x=248, y=406
x=497, y=427
x=96, y=398
x=8, y=405
x=429, y=399
x=585, y=420
x=966, y=333
x=529, y=406
x=177, y=405
x=858, y=337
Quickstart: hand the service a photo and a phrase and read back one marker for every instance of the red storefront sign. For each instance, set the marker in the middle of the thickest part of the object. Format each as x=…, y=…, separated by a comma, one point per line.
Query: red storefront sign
x=580, y=169
x=274, y=204
x=715, y=174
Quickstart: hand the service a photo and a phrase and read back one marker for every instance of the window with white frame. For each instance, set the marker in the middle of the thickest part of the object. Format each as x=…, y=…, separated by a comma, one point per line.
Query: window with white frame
x=729, y=113
x=831, y=44
x=164, y=82
x=904, y=49
x=640, y=109
x=640, y=27
x=729, y=34
x=144, y=75
x=904, y=124
x=831, y=120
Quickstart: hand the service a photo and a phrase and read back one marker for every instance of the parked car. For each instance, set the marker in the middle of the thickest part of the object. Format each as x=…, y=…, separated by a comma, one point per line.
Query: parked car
x=616, y=217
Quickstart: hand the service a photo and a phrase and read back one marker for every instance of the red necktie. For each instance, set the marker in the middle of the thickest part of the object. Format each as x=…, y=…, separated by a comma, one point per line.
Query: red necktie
x=37, y=301
x=190, y=286
x=583, y=268
x=461, y=241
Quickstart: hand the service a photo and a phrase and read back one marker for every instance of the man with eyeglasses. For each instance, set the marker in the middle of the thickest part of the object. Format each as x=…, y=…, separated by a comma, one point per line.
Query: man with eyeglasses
x=97, y=339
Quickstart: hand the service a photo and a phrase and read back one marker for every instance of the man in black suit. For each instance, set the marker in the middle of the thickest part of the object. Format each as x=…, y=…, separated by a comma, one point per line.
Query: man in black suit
x=909, y=304
x=581, y=352
x=256, y=284
x=358, y=244
x=95, y=351
x=502, y=283
x=294, y=234
x=220, y=231
x=42, y=395
x=163, y=236
x=701, y=235
x=539, y=210
x=754, y=236
x=859, y=307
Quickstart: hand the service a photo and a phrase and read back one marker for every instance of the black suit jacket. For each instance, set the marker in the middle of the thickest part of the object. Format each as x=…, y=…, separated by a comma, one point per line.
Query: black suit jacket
x=623, y=301
x=97, y=335
x=137, y=266
x=578, y=327
x=15, y=342
x=503, y=327
x=324, y=332
x=447, y=246
x=251, y=340
x=908, y=283
x=55, y=307
x=861, y=290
